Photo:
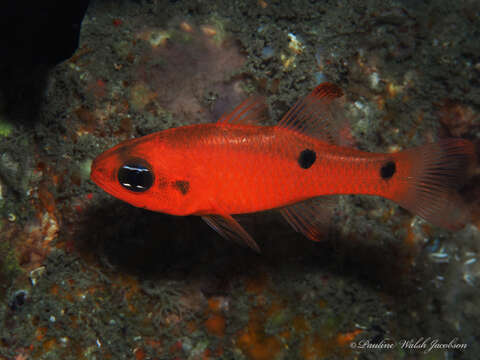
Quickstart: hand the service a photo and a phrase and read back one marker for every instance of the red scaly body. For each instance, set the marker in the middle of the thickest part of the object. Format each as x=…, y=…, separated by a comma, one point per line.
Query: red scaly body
x=234, y=167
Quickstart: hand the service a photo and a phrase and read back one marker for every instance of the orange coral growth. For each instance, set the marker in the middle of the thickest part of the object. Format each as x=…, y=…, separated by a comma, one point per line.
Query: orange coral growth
x=54, y=290
x=154, y=343
x=215, y=304
x=215, y=325
x=410, y=237
x=46, y=198
x=191, y=326
x=300, y=324
x=69, y=297
x=139, y=354
x=49, y=345
x=347, y=338
x=262, y=3
x=40, y=333
x=316, y=347
x=285, y=335
x=208, y=30
x=254, y=342
x=186, y=26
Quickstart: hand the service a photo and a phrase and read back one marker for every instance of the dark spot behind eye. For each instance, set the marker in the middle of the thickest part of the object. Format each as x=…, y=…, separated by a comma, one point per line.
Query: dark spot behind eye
x=182, y=186
x=306, y=158
x=388, y=170
x=162, y=182
x=135, y=175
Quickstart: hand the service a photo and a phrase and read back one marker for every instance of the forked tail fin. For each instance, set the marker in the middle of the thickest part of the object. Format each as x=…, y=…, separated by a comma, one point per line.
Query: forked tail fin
x=430, y=177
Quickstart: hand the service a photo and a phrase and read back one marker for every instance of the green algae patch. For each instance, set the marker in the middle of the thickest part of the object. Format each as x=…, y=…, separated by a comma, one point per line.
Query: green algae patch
x=9, y=267
x=5, y=127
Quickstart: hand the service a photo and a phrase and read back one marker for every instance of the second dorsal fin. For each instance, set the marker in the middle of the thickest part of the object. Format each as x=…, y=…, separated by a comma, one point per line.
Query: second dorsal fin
x=320, y=115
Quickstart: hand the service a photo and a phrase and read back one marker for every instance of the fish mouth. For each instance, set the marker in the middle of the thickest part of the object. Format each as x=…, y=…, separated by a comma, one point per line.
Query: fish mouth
x=99, y=179
x=95, y=172
x=96, y=178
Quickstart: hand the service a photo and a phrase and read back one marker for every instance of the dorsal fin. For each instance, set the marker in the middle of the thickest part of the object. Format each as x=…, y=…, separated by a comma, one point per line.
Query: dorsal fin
x=249, y=112
x=320, y=115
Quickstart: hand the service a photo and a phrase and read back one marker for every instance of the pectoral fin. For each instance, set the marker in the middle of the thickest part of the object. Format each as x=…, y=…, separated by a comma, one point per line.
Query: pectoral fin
x=230, y=229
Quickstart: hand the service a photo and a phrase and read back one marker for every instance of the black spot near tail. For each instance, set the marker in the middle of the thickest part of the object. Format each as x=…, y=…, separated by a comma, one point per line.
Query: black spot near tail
x=388, y=170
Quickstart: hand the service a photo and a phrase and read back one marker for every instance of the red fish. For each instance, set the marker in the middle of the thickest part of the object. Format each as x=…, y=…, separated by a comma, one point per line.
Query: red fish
x=236, y=166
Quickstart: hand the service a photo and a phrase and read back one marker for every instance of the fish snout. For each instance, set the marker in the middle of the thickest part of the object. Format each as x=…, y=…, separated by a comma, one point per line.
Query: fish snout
x=99, y=170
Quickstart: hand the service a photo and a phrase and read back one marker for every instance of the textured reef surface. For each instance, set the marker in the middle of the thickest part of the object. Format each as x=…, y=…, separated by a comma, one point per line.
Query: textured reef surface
x=85, y=276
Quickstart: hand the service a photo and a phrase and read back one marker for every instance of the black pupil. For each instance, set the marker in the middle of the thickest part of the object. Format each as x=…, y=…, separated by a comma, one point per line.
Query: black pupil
x=135, y=177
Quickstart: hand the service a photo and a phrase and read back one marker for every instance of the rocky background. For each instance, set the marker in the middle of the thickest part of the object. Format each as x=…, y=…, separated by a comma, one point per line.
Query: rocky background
x=85, y=276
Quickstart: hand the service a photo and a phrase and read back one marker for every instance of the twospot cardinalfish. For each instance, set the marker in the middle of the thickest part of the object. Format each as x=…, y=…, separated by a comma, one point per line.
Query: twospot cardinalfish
x=237, y=166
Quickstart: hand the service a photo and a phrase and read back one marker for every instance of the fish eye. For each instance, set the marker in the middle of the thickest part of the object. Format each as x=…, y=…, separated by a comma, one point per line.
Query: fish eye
x=136, y=175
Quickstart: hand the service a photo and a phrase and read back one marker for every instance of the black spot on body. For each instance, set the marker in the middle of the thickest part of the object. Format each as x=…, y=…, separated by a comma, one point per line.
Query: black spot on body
x=388, y=170
x=182, y=186
x=306, y=158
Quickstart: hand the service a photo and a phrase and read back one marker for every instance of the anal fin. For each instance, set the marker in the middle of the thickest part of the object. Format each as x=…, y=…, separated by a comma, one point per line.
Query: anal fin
x=230, y=229
x=311, y=217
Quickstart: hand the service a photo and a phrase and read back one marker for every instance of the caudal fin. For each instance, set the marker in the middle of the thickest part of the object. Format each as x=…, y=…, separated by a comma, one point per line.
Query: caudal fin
x=430, y=177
